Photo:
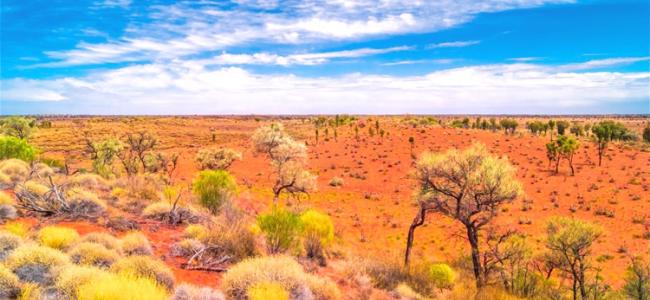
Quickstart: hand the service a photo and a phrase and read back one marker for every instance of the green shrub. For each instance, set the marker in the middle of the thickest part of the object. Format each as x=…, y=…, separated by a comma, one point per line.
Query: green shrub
x=214, y=188
x=18, y=127
x=12, y=147
x=442, y=275
x=281, y=228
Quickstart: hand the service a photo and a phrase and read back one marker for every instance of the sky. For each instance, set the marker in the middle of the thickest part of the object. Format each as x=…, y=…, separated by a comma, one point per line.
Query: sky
x=325, y=57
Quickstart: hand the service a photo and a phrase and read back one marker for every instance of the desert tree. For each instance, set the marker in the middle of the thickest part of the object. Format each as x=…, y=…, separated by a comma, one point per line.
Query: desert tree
x=103, y=153
x=570, y=241
x=288, y=160
x=604, y=132
x=162, y=163
x=509, y=125
x=140, y=143
x=553, y=155
x=468, y=186
x=637, y=280
x=567, y=148
x=551, y=127
x=217, y=159
x=412, y=145
x=646, y=133
x=562, y=126
x=19, y=127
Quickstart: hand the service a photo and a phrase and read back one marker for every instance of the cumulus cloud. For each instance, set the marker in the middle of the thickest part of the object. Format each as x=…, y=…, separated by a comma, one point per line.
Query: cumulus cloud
x=190, y=88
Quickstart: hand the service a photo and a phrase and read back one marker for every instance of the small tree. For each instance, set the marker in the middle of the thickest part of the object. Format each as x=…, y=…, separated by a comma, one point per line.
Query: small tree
x=140, y=143
x=570, y=241
x=19, y=127
x=567, y=148
x=604, y=132
x=412, y=144
x=468, y=186
x=551, y=127
x=646, y=133
x=553, y=155
x=562, y=126
x=214, y=189
x=281, y=228
x=217, y=159
x=288, y=159
x=103, y=154
x=637, y=280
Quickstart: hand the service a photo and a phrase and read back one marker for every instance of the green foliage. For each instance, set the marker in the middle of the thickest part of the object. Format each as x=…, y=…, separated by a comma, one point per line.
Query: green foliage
x=103, y=154
x=646, y=133
x=318, y=232
x=562, y=126
x=606, y=131
x=214, y=188
x=18, y=127
x=442, y=275
x=281, y=228
x=13, y=147
x=509, y=125
x=637, y=280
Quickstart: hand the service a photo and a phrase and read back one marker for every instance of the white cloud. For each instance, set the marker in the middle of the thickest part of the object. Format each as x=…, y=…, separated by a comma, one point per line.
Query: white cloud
x=194, y=27
x=525, y=59
x=457, y=44
x=113, y=3
x=604, y=63
x=295, y=59
x=190, y=88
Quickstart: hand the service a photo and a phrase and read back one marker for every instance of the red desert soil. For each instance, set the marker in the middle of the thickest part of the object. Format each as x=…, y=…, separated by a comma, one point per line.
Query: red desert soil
x=372, y=214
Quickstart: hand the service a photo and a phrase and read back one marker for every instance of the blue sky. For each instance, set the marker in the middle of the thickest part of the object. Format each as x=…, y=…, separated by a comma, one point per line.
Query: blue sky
x=337, y=56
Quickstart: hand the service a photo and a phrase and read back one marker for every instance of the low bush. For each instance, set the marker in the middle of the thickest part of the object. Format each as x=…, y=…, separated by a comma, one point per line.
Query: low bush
x=6, y=199
x=281, y=228
x=121, y=287
x=162, y=211
x=214, y=189
x=186, y=248
x=42, y=170
x=57, y=237
x=318, y=232
x=9, y=284
x=16, y=227
x=186, y=291
x=84, y=204
x=89, y=181
x=35, y=264
x=13, y=147
x=267, y=290
x=279, y=269
x=146, y=267
x=13, y=171
x=8, y=242
x=336, y=181
x=108, y=241
x=234, y=240
x=33, y=187
x=442, y=275
x=71, y=277
x=93, y=254
x=195, y=231
x=7, y=212
x=135, y=243
x=323, y=288
x=217, y=159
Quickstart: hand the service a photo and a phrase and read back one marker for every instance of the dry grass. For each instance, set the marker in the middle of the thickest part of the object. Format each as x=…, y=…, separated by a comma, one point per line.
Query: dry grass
x=93, y=254
x=57, y=237
x=135, y=243
x=146, y=267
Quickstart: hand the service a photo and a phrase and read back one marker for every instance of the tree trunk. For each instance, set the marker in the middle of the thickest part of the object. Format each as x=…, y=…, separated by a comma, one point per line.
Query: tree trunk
x=571, y=165
x=472, y=236
x=557, y=164
x=575, y=288
x=417, y=222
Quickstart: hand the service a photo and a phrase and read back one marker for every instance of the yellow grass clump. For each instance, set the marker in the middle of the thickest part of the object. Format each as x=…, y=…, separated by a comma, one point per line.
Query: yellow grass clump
x=93, y=254
x=108, y=241
x=283, y=270
x=8, y=242
x=33, y=187
x=6, y=199
x=323, y=288
x=135, y=243
x=71, y=277
x=267, y=291
x=42, y=170
x=121, y=286
x=156, y=210
x=146, y=267
x=9, y=284
x=186, y=291
x=16, y=227
x=87, y=180
x=34, y=263
x=14, y=170
x=195, y=231
x=57, y=237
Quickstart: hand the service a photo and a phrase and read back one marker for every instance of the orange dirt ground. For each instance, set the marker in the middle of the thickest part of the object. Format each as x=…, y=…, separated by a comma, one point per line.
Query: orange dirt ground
x=372, y=215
